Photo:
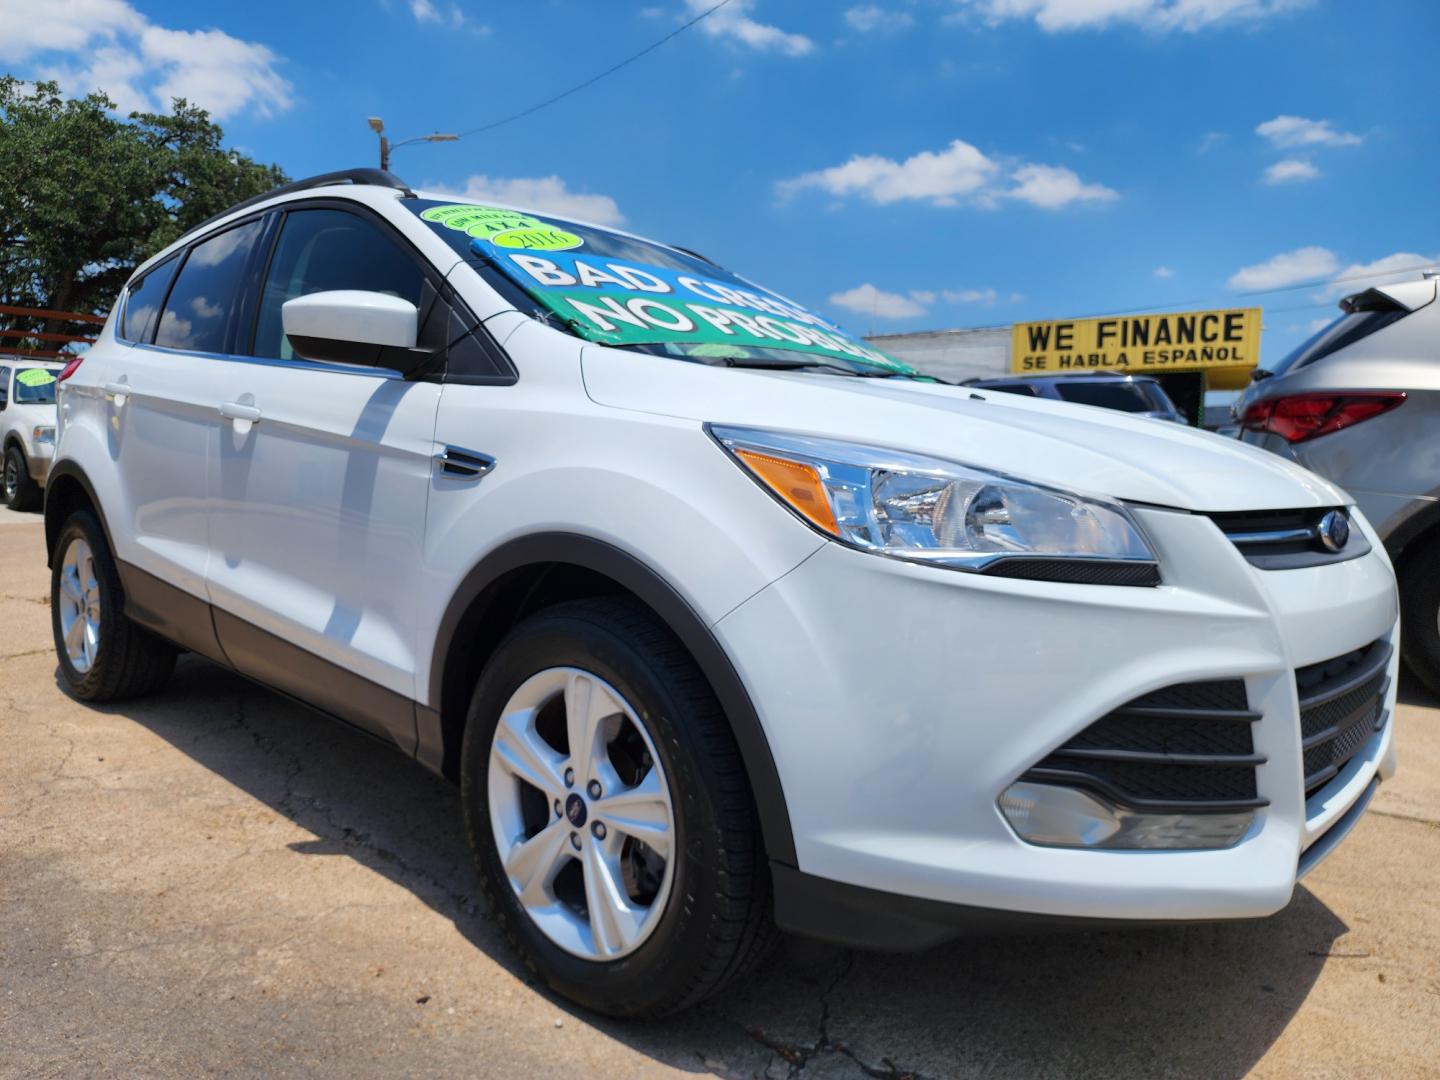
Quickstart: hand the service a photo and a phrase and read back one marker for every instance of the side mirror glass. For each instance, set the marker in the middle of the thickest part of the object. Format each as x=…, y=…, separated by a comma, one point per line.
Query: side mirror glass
x=350, y=326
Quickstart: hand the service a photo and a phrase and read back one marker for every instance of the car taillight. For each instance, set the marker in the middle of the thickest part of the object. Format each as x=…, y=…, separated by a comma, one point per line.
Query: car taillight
x=1308, y=416
x=70, y=369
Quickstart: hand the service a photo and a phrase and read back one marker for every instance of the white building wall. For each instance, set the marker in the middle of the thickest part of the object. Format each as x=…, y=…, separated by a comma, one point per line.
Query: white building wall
x=951, y=354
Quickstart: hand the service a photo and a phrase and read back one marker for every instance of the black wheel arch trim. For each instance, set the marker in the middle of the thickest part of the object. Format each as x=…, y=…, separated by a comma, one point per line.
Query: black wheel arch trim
x=600, y=557
x=1412, y=529
x=67, y=469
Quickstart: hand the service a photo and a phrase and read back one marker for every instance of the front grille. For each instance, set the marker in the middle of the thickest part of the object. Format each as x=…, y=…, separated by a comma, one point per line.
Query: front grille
x=1286, y=539
x=1187, y=748
x=1342, y=704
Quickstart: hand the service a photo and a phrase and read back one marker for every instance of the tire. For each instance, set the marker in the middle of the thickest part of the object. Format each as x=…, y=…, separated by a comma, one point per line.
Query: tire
x=1420, y=612
x=123, y=660
x=714, y=922
x=20, y=491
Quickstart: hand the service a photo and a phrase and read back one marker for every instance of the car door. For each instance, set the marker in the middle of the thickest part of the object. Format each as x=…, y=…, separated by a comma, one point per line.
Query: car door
x=162, y=395
x=319, y=485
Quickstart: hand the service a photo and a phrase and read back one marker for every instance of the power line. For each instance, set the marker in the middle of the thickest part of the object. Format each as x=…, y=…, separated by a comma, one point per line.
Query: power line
x=596, y=78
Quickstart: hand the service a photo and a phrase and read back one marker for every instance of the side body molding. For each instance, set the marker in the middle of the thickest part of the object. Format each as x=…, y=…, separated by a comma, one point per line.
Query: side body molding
x=600, y=557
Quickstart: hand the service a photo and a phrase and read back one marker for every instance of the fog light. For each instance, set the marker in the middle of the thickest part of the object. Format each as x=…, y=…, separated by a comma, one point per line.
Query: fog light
x=1064, y=817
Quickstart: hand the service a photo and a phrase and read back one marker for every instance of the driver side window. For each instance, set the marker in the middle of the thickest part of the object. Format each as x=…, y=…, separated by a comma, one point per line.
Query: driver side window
x=320, y=250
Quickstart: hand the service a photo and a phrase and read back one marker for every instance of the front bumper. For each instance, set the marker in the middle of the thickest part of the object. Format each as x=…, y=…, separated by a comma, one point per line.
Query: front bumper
x=39, y=467
x=901, y=700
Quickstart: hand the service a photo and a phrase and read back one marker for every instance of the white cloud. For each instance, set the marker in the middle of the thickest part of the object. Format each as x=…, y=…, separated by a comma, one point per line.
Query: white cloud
x=107, y=45
x=1057, y=16
x=940, y=178
x=1401, y=266
x=1163, y=272
x=870, y=17
x=733, y=22
x=1210, y=140
x=1287, y=268
x=987, y=296
x=426, y=11
x=868, y=300
x=946, y=177
x=1052, y=186
x=547, y=194
x=1289, y=131
x=1289, y=171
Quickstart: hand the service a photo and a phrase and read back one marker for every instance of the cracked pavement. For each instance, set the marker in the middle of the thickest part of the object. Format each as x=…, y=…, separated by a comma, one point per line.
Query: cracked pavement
x=217, y=881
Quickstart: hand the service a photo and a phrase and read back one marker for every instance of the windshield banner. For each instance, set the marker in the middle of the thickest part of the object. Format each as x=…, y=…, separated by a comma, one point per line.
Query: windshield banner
x=622, y=303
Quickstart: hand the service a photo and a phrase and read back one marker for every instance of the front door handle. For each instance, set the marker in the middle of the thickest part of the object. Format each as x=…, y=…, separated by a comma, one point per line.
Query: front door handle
x=239, y=410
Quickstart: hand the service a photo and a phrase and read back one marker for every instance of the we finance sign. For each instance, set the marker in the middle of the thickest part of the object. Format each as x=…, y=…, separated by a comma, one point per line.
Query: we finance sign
x=1178, y=341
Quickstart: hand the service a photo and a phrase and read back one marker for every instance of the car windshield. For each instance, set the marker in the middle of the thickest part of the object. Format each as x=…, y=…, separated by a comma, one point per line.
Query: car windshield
x=1125, y=396
x=622, y=291
x=35, y=386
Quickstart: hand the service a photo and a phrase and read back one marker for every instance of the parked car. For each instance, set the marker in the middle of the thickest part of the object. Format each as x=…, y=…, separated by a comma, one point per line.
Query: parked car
x=721, y=619
x=1359, y=403
x=27, y=429
x=1138, y=394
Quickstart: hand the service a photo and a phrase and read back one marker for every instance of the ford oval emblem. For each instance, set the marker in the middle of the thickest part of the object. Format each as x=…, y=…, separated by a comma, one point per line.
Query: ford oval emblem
x=1333, y=531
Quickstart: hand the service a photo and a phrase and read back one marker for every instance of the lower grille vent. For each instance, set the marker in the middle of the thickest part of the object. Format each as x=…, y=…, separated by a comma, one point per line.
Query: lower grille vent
x=1185, y=748
x=1342, y=704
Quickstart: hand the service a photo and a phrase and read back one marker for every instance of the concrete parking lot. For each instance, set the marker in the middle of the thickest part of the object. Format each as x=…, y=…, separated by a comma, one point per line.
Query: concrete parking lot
x=217, y=881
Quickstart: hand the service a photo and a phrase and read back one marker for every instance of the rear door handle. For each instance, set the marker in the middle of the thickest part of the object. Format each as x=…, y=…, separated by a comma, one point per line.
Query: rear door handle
x=236, y=410
x=118, y=390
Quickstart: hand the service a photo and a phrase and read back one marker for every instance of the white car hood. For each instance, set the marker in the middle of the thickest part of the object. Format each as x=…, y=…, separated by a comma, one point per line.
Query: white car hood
x=1078, y=447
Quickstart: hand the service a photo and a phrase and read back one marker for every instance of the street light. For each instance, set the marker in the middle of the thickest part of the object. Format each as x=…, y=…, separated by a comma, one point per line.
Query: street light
x=378, y=126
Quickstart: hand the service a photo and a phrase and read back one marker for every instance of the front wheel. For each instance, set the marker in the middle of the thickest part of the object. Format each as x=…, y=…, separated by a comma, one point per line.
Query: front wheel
x=1420, y=612
x=21, y=491
x=103, y=655
x=610, y=816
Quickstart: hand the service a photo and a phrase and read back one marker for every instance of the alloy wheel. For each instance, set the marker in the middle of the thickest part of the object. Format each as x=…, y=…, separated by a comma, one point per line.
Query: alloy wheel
x=80, y=605
x=581, y=813
x=12, y=478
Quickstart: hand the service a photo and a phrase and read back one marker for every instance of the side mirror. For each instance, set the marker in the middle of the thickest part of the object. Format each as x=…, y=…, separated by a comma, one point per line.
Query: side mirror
x=349, y=326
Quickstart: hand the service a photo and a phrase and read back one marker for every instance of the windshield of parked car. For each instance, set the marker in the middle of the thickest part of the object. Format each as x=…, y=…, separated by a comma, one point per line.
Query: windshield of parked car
x=1132, y=397
x=35, y=386
x=623, y=291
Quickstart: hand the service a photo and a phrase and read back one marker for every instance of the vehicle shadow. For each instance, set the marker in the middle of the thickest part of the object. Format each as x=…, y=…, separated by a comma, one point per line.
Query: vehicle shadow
x=1187, y=1000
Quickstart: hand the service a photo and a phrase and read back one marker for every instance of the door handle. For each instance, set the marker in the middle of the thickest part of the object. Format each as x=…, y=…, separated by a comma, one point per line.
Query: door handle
x=236, y=410
x=118, y=390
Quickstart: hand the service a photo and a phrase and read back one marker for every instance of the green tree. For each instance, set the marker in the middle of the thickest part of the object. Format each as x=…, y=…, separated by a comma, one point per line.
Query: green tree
x=86, y=196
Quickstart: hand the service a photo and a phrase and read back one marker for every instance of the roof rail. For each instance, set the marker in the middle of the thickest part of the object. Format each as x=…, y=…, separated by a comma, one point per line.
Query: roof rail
x=372, y=177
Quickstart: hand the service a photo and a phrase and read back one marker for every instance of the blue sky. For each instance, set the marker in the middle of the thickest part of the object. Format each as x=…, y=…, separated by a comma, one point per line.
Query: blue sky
x=902, y=164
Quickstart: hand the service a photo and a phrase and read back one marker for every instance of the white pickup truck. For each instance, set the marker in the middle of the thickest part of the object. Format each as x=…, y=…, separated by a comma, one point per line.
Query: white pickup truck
x=27, y=429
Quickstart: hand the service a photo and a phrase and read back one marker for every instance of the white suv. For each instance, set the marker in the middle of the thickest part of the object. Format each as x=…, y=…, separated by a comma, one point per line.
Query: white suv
x=721, y=619
x=27, y=429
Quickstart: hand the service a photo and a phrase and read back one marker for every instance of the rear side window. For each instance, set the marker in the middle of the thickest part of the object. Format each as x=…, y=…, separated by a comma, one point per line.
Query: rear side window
x=4, y=387
x=142, y=303
x=1364, y=315
x=1023, y=389
x=205, y=301
x=321, y=250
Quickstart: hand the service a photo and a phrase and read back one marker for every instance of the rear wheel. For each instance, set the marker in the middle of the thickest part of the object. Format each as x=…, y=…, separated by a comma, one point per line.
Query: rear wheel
x=1420, y=612
x=610, y=815
x=21, y=492
x=103, y=655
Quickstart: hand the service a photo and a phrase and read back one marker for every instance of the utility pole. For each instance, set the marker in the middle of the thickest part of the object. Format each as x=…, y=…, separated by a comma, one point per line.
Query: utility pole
x=378, y=126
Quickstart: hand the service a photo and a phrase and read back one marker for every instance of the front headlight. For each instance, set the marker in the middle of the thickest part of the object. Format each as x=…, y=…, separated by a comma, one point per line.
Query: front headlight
x=938, y=512
x=43, y=434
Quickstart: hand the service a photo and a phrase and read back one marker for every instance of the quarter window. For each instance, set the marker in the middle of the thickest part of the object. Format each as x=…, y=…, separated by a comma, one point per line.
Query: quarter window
x=321, y=250
x=205, y=302
x=142, y=305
